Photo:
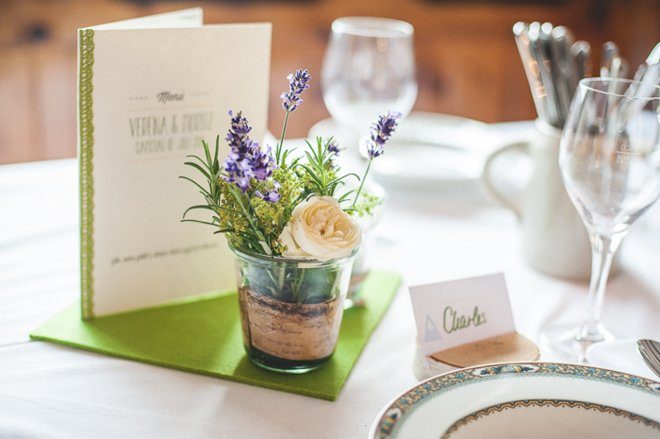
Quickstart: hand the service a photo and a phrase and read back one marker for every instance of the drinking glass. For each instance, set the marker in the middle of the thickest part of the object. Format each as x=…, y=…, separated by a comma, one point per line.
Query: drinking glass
x=369, y=69
x=610, y=164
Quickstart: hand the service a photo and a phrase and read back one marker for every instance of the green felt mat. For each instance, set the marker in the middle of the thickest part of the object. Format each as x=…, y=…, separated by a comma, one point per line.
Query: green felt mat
x=203, y=335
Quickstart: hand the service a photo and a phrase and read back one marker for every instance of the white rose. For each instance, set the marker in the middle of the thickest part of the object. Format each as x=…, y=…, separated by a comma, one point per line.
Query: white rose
x=320, y=229
x=292, y=248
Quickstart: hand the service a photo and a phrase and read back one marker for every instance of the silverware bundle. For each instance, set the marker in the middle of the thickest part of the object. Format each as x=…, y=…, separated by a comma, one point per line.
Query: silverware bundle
x=646, y=81
x=554, y=63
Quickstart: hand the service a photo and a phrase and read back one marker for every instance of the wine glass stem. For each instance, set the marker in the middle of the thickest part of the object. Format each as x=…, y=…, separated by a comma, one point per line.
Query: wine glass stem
x=603, y=248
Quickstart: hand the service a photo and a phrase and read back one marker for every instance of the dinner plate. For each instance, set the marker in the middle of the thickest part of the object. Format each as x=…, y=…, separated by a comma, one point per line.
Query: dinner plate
x=523, y=400
x=427, y=148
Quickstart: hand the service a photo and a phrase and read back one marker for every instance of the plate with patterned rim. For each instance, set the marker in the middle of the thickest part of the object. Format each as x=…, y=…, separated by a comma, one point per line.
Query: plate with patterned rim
x=516, y=400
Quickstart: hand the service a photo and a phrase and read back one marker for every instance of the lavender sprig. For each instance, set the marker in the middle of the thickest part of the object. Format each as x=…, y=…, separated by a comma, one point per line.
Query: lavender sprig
x=381, y=131
x=246, y=160
x=239, y=130
x=333, y=147
x=298, y=83
x=291, y=100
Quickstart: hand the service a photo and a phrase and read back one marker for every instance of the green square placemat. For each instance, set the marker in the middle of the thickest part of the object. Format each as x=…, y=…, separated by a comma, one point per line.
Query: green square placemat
x=203, y=335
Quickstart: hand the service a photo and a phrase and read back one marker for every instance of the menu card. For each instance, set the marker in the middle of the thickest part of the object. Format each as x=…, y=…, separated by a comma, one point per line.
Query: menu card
x=149, y=90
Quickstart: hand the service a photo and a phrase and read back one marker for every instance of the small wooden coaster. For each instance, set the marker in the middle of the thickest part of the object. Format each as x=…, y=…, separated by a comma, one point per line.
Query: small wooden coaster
x=503, y=348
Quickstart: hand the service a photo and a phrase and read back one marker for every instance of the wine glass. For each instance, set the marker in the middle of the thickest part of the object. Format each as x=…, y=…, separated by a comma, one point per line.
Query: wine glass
x=368, y=70
x=610, y=164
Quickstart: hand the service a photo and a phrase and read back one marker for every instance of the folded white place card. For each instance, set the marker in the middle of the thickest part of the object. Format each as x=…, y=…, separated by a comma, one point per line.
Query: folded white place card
x=149, y=90
x=457, y=312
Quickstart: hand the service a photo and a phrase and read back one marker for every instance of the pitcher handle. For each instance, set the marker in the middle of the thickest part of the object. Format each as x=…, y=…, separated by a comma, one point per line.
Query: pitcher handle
x=491, y=190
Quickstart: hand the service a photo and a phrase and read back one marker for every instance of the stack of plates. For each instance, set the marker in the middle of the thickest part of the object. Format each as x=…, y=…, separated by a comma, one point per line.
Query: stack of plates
x=522, y=400
x=427, y=149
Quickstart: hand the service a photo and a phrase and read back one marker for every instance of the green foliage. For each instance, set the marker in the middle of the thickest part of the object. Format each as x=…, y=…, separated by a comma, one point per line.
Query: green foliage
x=366, y=205
x=273, y=217
x=293, y=284
x=231, y=211
x=319, y=173
x=209, y=167
x=254, y=224
x=251, y=223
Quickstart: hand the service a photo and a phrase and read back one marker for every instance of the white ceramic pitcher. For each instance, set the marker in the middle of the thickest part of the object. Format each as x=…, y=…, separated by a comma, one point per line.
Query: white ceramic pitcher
x=554, y=239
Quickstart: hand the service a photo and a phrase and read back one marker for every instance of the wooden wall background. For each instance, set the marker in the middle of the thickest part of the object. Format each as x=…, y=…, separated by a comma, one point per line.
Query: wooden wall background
x=466, y=57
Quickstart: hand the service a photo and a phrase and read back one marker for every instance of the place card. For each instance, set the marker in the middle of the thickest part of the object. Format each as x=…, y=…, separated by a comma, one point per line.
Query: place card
x=458, y=312
x=149, y=91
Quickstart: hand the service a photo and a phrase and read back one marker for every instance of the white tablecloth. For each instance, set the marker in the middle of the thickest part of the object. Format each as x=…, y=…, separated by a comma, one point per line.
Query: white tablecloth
x=48, y=390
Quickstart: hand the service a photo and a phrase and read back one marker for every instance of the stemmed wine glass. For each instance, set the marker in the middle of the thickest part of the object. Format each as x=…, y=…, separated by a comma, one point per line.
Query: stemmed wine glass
x=369, y=69
x=610, y=164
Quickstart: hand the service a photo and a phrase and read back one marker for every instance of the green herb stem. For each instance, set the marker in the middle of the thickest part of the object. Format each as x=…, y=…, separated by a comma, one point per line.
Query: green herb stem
x=364, y=177
x=278, y=150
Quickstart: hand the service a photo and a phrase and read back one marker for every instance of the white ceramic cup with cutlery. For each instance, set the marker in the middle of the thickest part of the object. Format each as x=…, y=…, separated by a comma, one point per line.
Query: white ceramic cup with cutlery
x=554, y=239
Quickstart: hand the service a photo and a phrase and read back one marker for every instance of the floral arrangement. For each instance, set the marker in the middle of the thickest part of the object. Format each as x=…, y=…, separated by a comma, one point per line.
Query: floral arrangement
x=273, y=204
x=290, y=218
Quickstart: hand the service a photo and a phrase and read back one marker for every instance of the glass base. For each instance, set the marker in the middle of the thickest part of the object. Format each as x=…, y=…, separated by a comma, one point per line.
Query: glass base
x=353, y=301
x=281, y=365
x=353, y=298
x=571, y=342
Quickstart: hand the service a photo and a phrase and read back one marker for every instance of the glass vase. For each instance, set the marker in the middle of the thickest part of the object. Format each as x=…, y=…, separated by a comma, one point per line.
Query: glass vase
x=291, y=309
x=368, y=223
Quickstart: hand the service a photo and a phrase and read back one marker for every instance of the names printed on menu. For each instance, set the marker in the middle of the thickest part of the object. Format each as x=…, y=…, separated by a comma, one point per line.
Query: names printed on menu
x=168, y=125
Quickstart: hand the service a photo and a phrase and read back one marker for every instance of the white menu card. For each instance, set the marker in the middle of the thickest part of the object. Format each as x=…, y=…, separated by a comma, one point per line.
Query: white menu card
x=149, y=91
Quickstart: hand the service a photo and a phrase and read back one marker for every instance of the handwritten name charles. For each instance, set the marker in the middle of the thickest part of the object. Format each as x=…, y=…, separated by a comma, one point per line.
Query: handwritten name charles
x=454, y=321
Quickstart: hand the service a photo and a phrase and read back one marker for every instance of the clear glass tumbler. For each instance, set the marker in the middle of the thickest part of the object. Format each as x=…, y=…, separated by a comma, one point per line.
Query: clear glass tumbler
x=610, y=164
x=291, y=309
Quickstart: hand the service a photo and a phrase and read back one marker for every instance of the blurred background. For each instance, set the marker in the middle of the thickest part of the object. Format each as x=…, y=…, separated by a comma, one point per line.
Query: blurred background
x=467, y=62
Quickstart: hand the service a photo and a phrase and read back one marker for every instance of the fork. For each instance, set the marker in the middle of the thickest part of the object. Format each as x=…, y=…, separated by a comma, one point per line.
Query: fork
x=650, y=351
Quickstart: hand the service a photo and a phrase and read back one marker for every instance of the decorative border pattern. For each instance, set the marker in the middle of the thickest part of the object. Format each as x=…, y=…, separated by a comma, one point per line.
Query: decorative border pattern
x=548, y=403
x=423, y=391
x=85, y=156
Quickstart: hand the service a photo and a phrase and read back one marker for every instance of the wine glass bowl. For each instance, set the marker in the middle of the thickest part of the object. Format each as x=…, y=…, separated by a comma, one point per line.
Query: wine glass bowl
x=368, y=69
x=610, y=168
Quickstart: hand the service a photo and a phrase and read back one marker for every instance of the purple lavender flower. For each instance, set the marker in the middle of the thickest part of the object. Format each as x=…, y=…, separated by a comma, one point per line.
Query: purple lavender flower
x=333, y=147
x=237, y=137
x=298, y=83
x=272, y=196
x=261, y=163
x=381, y=132
x=247, y=160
